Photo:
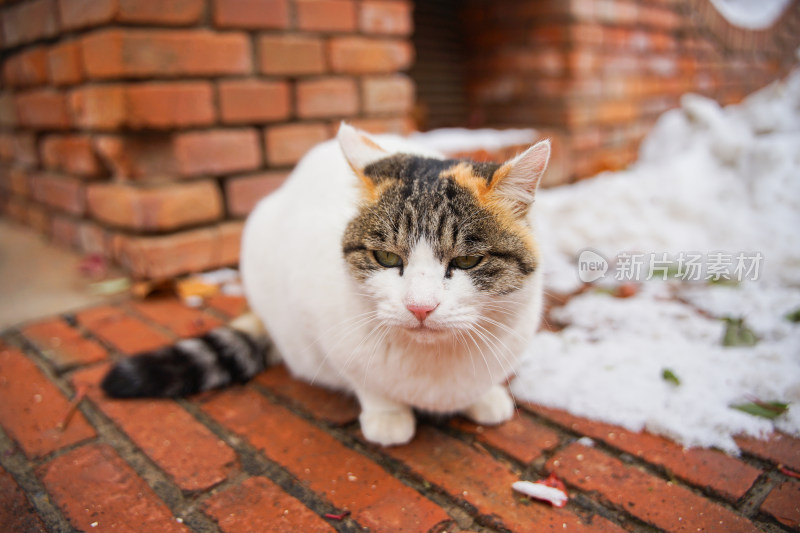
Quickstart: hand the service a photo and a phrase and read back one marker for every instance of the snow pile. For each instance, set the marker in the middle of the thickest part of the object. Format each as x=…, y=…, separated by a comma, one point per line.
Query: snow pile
x=708, y=180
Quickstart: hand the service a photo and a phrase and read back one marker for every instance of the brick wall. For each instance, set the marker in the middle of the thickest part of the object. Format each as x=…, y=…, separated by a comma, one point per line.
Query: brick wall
x=146, y=130
x=601, y=71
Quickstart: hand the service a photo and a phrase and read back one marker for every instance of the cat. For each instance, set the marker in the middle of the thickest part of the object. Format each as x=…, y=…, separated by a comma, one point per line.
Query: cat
x=382, y=269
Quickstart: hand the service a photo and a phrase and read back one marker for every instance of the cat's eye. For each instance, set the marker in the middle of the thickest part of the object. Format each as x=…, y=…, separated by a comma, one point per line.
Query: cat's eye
x=465, y=262
x=387, y=259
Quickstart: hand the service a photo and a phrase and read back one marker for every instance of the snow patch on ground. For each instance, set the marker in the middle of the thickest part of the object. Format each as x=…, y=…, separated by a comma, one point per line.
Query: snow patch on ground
x=708, y=179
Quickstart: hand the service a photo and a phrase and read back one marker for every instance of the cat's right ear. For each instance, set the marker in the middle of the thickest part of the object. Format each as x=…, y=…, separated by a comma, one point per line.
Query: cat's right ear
x=358, y=148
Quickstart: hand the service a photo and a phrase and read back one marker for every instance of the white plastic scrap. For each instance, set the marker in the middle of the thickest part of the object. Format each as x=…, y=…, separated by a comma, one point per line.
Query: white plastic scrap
x=540, y=491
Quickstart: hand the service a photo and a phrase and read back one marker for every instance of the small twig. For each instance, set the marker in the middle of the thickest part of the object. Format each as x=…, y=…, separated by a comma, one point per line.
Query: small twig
x=80, y=393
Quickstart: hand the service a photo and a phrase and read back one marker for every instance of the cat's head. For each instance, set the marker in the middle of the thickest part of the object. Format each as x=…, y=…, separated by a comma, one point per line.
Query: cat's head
x=438, y=245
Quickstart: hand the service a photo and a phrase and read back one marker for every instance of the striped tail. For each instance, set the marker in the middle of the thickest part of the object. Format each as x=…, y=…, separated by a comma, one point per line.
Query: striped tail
x=225, y=355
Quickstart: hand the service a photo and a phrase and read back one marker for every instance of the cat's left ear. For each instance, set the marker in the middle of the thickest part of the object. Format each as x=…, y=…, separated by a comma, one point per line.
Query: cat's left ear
x=359, y=148
x=516, y=181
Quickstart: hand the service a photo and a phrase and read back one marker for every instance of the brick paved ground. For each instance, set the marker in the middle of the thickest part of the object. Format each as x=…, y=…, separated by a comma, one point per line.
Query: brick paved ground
x=279, y=455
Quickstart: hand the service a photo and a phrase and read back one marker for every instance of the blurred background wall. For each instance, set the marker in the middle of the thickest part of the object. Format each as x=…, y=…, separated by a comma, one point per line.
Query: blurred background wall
x=145, y=130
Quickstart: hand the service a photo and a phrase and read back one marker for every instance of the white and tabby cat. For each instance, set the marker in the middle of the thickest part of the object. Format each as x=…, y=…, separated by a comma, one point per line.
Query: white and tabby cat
x=381, y=269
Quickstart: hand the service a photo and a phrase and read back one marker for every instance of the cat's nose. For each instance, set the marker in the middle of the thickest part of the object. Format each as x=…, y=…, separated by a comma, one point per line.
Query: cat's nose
x=421, y=311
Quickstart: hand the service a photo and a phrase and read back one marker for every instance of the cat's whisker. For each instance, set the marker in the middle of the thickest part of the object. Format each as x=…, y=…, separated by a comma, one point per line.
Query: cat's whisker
x=500, y=356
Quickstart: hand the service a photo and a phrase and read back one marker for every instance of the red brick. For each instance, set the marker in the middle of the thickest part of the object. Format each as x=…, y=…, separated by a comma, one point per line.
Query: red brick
x=95, y=488
x=291, y=55
x=653, y=500
x=179, y=253
x=220, y=151
x=288, y=143
x=326, y=15
x=723, y=474
x=389, y=94
x=38, y=218
x=99, y=107
x=322, y=404
x=63, y=345
x=77, y=14
x=327, y=97
x=229, y=306
x=251, y=14
x=148, y=157
x=31, y=408
x=29, y=21
x=471, y=476
x=73, y=154
x=164, y=53
x=64, y=230
x=162, y=208
x=362, y=55
x=170, y=105
x=172, y=314
x=16, y=181
x=249, y=101
x=257, y=504
x=60, y=191
x=26, y=68
x=43, y=109
x=16, y=513
x=8, y=110
x=399, y=126
x=185, y=449
x=244, y=192
x=521, y=438
x=93, y=239
x=344, y=477
x=127, y=334
x=382, y=17
x=65, y=64
x=24, y=147
x=779, y=448
x=783, y=503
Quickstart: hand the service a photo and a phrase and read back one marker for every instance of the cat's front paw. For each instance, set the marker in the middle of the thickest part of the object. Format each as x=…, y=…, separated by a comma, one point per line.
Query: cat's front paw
x=388, y=428
x=494, y=407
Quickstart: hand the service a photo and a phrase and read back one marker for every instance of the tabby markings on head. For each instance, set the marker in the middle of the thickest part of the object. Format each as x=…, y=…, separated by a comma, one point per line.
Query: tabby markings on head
x=447, y=203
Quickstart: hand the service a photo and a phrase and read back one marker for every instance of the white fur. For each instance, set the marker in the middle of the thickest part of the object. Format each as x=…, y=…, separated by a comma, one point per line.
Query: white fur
x=360, y=337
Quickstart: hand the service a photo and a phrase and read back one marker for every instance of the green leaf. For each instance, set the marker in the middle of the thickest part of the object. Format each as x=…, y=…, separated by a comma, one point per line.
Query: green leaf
x=738, y=334
x=794, y=316
x=669, y=376
x=770, y=410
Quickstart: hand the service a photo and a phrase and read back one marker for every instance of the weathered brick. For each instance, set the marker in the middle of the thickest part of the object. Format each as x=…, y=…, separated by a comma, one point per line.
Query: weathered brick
x=326, y=15
x=263, y=14
x=783, y=503
x=81, y=481
x=94, y=239
x=230, y=243
x=633, y=490
x=64, y=230
x=127, y=334
x=388, y=94
x=327, y=97
x=382, y=17
x=249, y=101
x=31, y=408
x=77, y=14
x=73, y=154
x=8, y=110
x=291, y=55
x=186, y=450
x=38, y=218
x=521, y=438
x=362, y=55
x=16, y=512
x=169, y=105
x=229, y=306
x=288, y=143
x=64, y=62
x=396, y=125
x=172, y=314
x=164, y=53
x=100, y=107
x=257, y=504
x=725, y=475
x=16, y=180
x=148, y=157
x=344, y=477
x=43, y=109
x=161, y=208
x=63, y=345
x=26, y=68
x=19, y=148
x=331, y=407
x=30, y=21
x=220, y=151
x=778, y=448
x=477, y=478
x=63, y=192
x=242, y=193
